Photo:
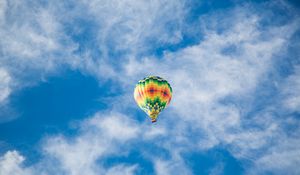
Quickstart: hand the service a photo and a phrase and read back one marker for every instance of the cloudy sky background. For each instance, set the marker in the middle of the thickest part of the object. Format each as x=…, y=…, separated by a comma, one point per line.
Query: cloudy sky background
x=68, y=70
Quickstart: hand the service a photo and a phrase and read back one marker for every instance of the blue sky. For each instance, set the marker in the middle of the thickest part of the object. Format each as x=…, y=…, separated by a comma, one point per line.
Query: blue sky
x=68, y=70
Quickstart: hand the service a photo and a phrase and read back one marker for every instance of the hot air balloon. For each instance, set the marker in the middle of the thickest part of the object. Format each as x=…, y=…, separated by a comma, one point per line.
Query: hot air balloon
x=152, y=94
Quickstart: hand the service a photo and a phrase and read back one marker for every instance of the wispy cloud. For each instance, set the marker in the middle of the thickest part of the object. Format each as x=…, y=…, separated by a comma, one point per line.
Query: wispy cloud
x=291, y=91
x=101, y=136
x=5, y=80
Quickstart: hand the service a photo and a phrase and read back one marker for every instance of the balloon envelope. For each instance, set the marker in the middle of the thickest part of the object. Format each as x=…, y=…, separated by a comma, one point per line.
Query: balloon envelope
x=152, y=95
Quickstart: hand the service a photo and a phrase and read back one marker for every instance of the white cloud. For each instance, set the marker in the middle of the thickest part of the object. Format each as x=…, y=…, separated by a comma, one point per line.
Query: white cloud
x=82, y=154
x=3, y=6
x=291, y=89
x=168, y=167
x=33, y=37
x=282, y=157
x=121, y=169
x=129, y=25
x=33, y=46
x=5, y=83
x=101, y=136
x=11, y=164
x=128, y=28
x=6, y=86
x=218, y=169
x=115, y=127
